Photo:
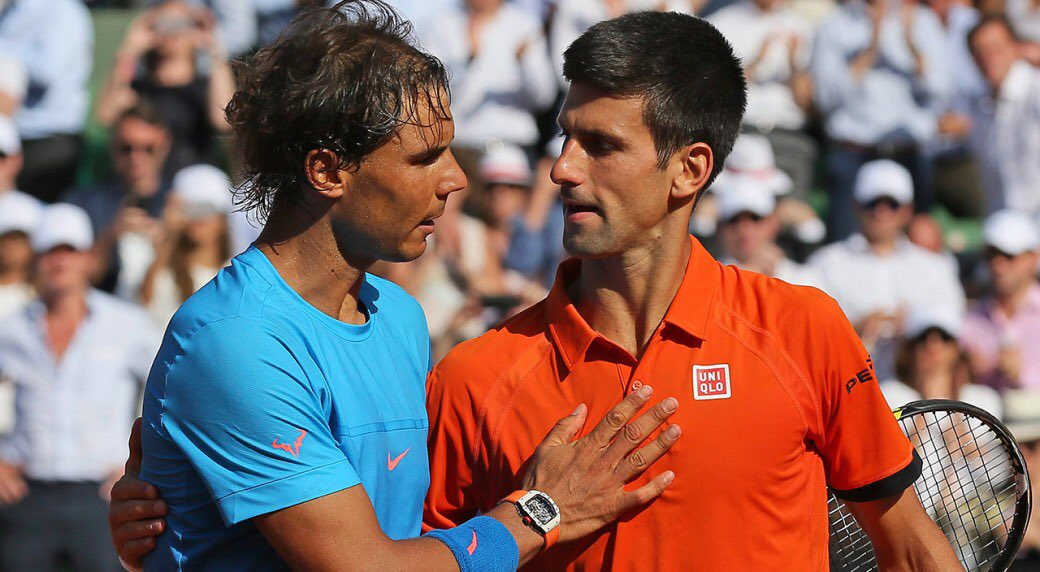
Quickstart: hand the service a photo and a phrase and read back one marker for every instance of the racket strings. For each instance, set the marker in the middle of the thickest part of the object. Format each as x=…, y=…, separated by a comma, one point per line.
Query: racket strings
x=969, y=486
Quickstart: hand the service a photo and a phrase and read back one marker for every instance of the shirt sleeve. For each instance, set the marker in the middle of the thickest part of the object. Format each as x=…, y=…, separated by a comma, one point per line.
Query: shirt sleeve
x=865, y=454
x=252, y=419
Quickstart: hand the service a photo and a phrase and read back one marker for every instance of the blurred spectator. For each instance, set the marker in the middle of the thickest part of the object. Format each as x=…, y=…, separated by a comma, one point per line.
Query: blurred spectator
x=501, y=73
x=236, y=22
x=573, y=17
x=1022, y=417
x=879, y=71
x=1007, y=127
x=421, y=13
x=931, y=365
x=748, y=227
x=158, y=61
x=11, y=158
x=536, y=248
x=14, y=83
x=773, y=42
x=1026, y=16
x=272, y=16
x=1003, y=331
x=126, y=208
x=879, y=275
x=195, y=243
x=78, y=359
x=54, y=41
x=19, y=215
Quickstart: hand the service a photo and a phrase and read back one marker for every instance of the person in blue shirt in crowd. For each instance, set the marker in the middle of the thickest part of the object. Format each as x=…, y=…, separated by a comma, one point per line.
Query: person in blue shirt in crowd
x=294, y=376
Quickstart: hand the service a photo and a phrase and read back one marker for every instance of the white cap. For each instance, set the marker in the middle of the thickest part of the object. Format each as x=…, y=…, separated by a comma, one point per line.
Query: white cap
x=19, y=212
x=744, y=195
x=920, y=319
x=752, y=157
x=505, y=163
x=1012, y=232
x=13, y=79
x=10, y=141
x=63, y=224
x=884, y=178
x=1022, y=414
x=204, y=190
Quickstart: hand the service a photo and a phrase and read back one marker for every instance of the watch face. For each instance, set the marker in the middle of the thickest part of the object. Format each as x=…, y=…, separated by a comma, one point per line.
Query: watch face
x=540, y=510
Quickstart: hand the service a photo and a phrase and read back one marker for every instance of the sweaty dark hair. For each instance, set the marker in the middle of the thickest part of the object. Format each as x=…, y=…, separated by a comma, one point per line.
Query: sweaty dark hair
x=345, y=78
x=691, y=83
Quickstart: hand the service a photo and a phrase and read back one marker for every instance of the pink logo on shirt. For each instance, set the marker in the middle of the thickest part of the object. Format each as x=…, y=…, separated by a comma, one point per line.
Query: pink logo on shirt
x=293, y=449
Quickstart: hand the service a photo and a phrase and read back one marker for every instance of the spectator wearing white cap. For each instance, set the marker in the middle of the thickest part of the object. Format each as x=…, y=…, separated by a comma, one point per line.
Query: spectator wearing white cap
x=78, y=359
x=54, y=41
x=931, y=365
x=1006, y=138
x=196, y=242
x=501, y=73
x=125, y=209
x=19, y=215
x=748, y=228
x=1022, y=418
x=878, y=275
x=1002, y=332
x=773, y=42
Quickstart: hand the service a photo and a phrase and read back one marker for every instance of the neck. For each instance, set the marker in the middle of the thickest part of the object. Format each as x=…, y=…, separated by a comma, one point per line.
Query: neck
x=176, y=70
x=303, y=250
x=1011, y=302
x=71, y=304
x=883, y=247
x=625, y=297
x=13, y=276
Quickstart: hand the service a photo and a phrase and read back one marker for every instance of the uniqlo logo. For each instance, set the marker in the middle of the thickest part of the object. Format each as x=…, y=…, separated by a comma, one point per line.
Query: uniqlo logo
x=711, y=381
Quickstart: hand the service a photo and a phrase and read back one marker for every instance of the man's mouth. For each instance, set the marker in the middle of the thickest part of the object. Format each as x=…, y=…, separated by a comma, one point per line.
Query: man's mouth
x=576, y=210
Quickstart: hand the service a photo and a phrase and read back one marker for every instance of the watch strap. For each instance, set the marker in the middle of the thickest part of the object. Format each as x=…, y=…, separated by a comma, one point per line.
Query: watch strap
x=550, y=538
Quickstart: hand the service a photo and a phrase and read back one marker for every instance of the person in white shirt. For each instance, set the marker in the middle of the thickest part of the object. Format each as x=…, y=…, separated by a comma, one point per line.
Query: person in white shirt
x=500, y=71
x=573, y=17
x=931, y=365
x=879, y=275
x=1006, y=137
x=78, y=359
x=748, y=227
x=1025, y=14
x=196, y=241
x=19, y=213
x=774, y=44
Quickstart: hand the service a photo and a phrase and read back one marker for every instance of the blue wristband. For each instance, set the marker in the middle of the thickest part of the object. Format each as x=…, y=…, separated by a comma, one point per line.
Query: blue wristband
x=481, y=544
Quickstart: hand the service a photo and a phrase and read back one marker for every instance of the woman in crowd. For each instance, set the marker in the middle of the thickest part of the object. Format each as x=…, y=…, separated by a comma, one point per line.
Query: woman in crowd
x=197, y=241
x=171, y=56
x=931, y=364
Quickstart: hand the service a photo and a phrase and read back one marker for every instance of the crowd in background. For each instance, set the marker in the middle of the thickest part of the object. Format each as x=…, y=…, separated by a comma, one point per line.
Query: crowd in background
x=890, y=156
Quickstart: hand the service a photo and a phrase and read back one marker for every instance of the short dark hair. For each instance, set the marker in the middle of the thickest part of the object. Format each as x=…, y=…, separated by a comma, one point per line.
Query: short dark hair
x=691, y=82
x=144, y=110
x=345, y=78
x=986, y=20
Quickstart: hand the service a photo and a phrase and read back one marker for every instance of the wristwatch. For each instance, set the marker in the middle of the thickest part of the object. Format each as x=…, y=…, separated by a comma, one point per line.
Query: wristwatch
x=539, y=512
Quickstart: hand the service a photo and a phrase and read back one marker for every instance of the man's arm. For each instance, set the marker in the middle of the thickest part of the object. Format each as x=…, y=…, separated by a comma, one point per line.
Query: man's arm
x=903, y=535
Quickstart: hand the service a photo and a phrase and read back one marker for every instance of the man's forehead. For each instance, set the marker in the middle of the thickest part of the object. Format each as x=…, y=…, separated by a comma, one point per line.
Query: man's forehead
x=587, y=108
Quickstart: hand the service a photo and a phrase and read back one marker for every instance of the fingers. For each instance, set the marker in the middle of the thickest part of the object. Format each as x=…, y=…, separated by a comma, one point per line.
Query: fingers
x=131, y=488
x=566, y=428
x=645, y=494
x=137, y=530
x=133, y=462
x=133, y=552
x=636, y=432
x=641, y=459
x=12, y=490
x=615, y=419
x=121, y=513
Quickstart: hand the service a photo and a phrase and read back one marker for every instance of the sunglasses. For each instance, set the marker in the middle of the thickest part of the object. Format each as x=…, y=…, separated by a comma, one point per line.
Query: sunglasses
x=127, y=149
x=991, y=253
x=889, y=202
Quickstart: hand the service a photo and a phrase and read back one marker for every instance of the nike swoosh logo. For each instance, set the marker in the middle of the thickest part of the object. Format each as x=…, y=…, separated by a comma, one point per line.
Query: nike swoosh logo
x=293, y=449
x=392, y=463
x=472, y=545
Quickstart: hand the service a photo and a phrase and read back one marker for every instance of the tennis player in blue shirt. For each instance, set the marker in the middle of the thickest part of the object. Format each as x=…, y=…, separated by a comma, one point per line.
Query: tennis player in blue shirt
x=284, y=420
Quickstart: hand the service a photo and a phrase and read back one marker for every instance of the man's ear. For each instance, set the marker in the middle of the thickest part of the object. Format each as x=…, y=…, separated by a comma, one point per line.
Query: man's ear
x=325, y=174
x=695, y=163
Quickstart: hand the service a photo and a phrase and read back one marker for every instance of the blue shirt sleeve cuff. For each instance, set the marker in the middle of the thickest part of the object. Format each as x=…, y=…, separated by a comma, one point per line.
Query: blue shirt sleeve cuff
x=289, y=491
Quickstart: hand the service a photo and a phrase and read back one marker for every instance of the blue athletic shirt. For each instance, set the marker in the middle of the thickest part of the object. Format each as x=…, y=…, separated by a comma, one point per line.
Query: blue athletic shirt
x=258, y=401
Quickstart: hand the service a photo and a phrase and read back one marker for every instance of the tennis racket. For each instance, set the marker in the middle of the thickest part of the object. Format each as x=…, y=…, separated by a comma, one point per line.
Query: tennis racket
x=973, y=484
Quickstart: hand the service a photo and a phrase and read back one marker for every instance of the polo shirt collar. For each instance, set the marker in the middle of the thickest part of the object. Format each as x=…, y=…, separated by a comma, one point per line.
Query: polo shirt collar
x=689, y=310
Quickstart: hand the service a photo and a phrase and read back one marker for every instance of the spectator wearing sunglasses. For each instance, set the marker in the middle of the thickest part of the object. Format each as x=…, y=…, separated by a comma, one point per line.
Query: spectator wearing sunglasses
x=1022, y=417
x=930, y=363
x=1003, y=330
x=878, y=275
x=125, y=210
x=748, y=227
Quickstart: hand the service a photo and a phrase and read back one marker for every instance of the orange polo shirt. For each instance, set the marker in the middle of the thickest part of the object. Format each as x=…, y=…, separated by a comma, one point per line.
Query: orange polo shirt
x=776, y=399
